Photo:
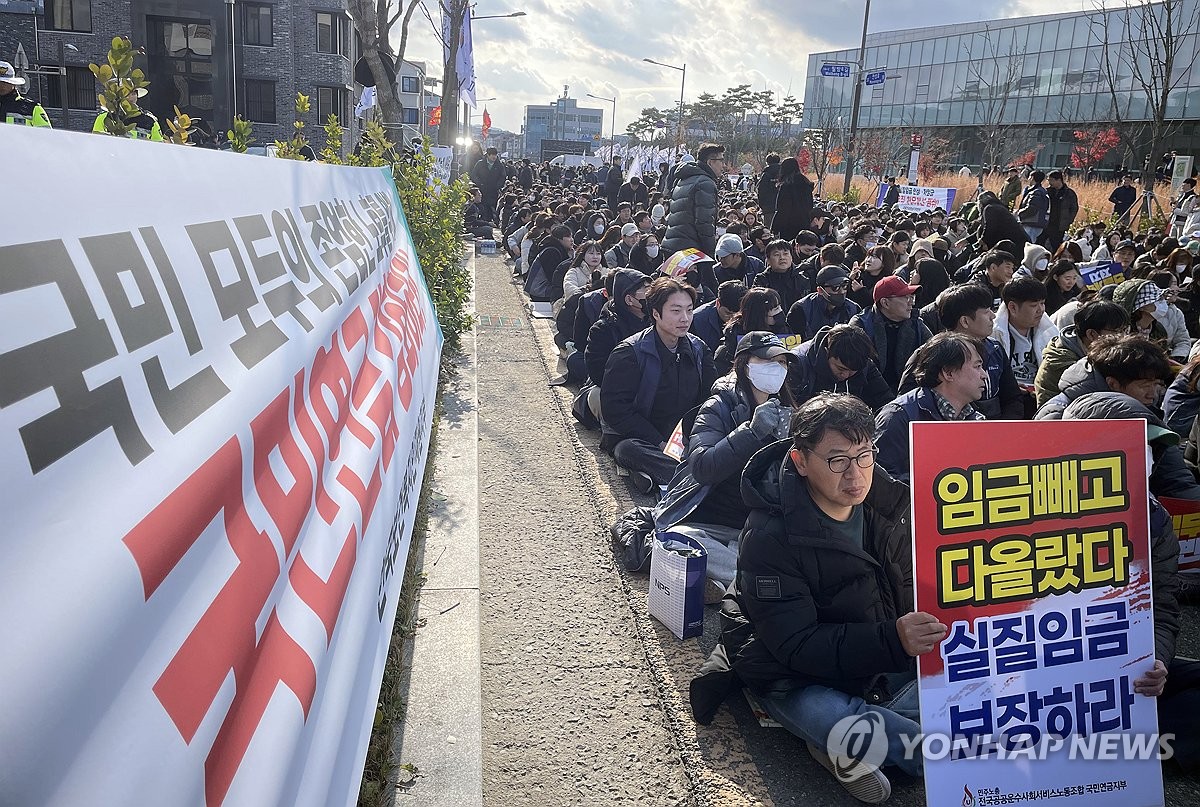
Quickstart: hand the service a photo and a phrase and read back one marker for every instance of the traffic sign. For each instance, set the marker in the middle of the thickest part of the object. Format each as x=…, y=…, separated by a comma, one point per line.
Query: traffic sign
x=876, y=78
x=916, y=140
x=835, y=70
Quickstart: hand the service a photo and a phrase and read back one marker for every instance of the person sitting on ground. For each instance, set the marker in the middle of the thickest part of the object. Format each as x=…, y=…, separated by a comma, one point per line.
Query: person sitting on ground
x=556, y=248
x=828, y=305
x=647, y=256
x=950, y=377
x=1140, y=298
x=879, y=263
x=781, y=275
x=624, y=315
x=588, y=261
x=654, y=380
x=733, y=263
x=818, y=622
x=893, y=330
x=1169, y=475
x=618, y=254
x=1092, y=320
x=1062, y=285
x=1170, y=316
x=1168, y=589
x=839, y=358
x=759, y=311
x=710, y=319
x=1129, y=364
x=1024, y=331
x=995, y=270
x=1181, y=403
x=749, y=408
x=475, y=217
x=968, y=310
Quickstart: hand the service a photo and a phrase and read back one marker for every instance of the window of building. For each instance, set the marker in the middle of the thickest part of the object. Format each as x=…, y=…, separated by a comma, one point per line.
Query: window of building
x=331, y=101
x=69, y=15
x=333, y=33
x=411, y=116
x=81, y=90
x=256, y=24
x=258, y=100
x=410, y=84
x=179, y=55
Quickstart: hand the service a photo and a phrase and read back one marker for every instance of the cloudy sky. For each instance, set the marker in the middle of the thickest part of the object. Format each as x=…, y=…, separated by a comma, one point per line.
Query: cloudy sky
x=597, y=46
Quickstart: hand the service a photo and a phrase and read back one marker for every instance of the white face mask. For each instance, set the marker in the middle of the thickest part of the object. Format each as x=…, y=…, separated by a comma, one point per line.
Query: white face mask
x=599, y=228
x=767, y=378
x=1160, y=308
x=1042, y=263
x=652, y=250
x=721, y=231
x=1181, y=268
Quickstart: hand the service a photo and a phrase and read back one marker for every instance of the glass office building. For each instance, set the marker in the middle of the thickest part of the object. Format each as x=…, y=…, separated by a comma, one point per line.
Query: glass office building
x=1039, y=78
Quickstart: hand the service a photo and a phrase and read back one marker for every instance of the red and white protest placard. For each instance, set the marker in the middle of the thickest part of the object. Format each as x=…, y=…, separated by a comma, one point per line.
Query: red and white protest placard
x=218, y=380
x=1030, y=544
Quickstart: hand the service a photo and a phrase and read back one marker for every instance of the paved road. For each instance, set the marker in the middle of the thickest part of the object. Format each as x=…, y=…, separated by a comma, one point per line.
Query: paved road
x=585, y=696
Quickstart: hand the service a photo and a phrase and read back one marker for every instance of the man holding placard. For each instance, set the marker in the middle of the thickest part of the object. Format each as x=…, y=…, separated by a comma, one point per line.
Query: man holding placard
x=820, y=624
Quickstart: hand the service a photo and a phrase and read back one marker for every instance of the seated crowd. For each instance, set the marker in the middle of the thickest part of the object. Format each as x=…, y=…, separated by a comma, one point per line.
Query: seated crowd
x=753, y=360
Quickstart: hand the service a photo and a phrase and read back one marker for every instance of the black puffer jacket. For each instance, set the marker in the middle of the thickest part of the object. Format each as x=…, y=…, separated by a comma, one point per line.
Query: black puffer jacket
x=692, y=222
x=808, y=608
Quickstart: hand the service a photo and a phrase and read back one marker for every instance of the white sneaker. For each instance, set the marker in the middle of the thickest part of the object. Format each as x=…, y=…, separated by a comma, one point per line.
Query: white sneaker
x=864, y=782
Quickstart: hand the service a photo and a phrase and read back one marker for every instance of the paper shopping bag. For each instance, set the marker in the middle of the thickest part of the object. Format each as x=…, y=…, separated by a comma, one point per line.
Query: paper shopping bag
x=678, y=565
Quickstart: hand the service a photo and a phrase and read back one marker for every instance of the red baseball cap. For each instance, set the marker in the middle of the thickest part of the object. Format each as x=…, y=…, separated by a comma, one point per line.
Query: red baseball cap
x=892, y=286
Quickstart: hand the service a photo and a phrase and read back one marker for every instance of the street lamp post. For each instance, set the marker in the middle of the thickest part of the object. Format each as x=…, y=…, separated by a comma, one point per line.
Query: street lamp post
x=856, y=102
x=613, y=129
x=232, y=61
x=682, y=81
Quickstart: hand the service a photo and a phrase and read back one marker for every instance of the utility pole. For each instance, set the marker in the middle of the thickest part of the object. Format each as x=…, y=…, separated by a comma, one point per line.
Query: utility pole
x=857, y=100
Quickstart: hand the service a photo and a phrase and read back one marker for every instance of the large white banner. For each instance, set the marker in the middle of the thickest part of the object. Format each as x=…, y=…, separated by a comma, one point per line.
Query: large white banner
x=918, y=198
x=217, y=377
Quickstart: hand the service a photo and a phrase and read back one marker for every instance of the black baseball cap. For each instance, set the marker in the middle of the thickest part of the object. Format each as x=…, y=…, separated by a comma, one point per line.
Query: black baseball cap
x=762, y=344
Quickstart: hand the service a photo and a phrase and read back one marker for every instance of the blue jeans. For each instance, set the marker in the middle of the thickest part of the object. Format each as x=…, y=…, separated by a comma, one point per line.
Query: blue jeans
x=721, y=543
x=811, y=712
x=1034, y=233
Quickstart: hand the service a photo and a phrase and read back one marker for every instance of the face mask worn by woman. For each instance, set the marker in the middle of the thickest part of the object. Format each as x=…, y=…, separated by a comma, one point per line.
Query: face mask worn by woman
x=767, y=378
x=652, y=251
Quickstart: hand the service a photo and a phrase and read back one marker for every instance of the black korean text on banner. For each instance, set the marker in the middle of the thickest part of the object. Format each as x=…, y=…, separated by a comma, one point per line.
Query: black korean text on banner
x=288, y=266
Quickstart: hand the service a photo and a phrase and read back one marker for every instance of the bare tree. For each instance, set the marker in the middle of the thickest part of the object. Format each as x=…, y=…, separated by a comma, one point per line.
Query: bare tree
x=374, y=20
x=1145, y=56
x=993, y=82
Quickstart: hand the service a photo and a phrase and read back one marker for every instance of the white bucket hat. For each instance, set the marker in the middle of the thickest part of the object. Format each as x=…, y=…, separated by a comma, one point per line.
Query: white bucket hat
x=9, y=76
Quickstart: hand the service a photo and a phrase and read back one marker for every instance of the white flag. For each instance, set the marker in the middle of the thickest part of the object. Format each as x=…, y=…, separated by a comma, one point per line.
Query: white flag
x=464, y=62
x=365, y=102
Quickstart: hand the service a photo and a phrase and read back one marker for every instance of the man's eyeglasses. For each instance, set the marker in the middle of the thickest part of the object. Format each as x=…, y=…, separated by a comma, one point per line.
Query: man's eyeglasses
x=840, y=463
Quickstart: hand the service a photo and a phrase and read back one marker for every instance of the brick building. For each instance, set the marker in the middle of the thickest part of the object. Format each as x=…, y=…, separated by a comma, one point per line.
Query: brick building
x=283, y=47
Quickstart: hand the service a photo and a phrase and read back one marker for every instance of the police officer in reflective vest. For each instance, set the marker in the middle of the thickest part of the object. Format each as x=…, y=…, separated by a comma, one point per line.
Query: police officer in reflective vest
x=14, y=107
x=145, y=125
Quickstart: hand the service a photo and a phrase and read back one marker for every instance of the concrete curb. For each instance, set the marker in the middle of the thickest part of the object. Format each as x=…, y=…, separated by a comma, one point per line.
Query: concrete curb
x=442, y=731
